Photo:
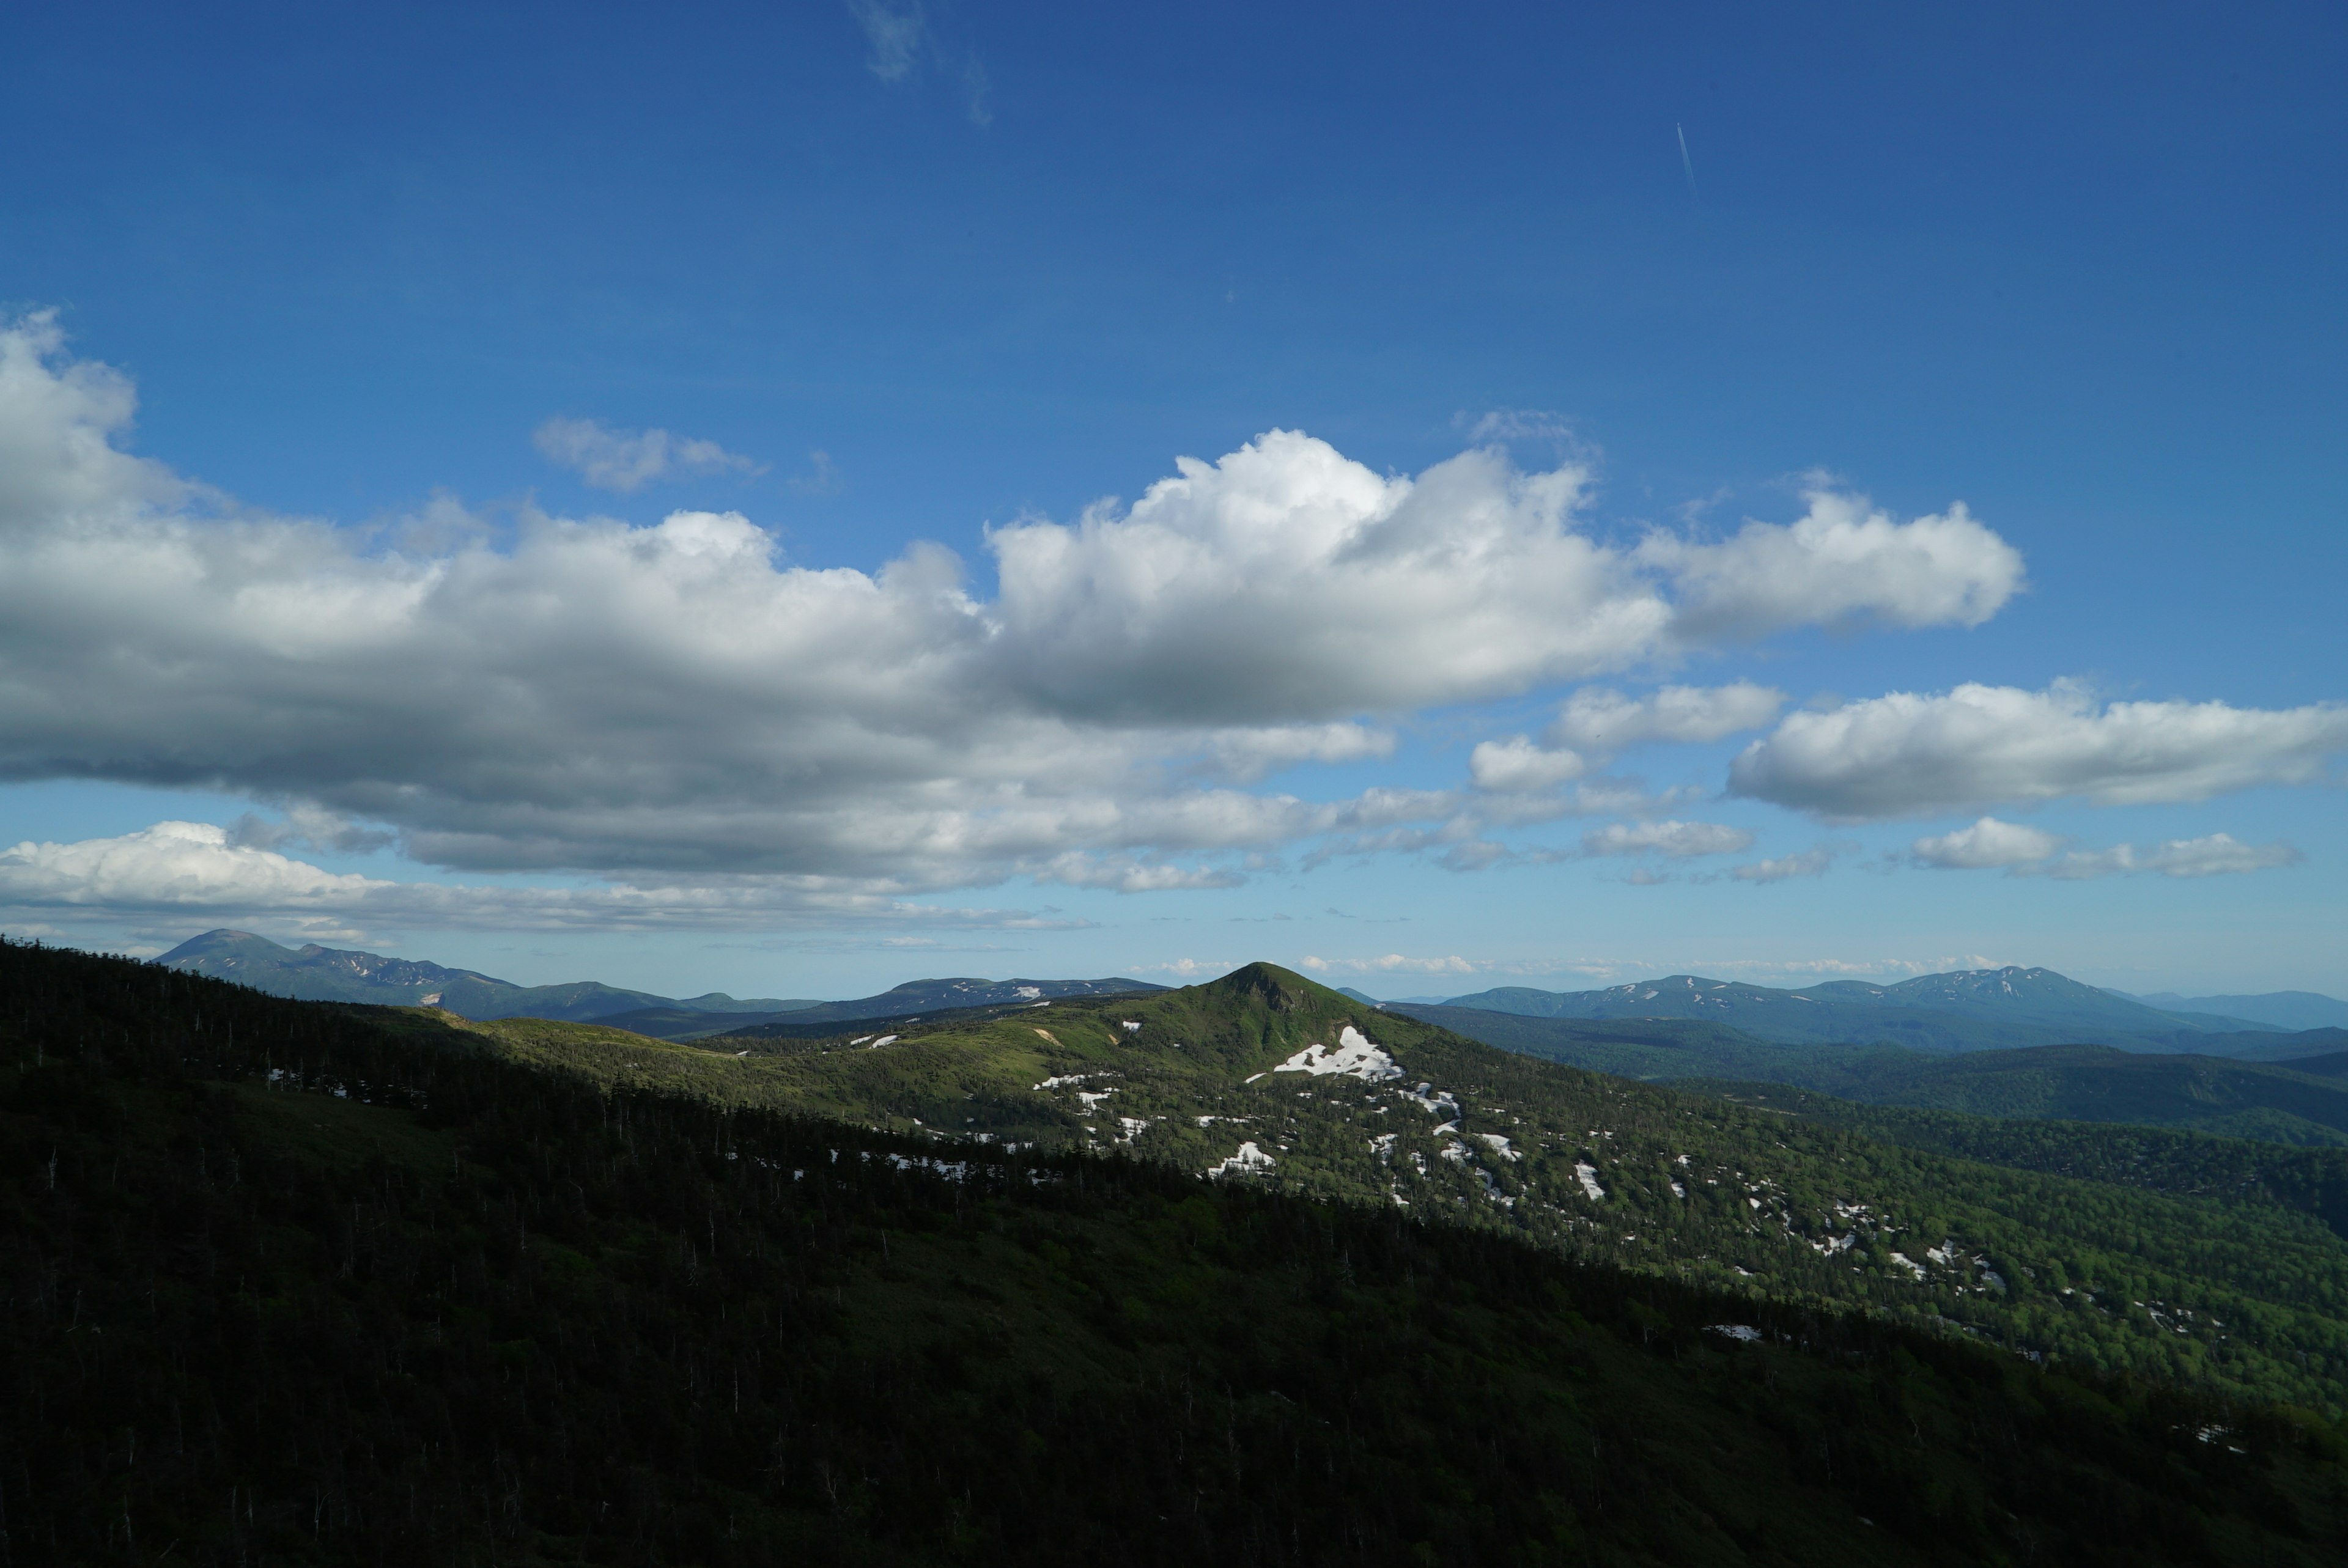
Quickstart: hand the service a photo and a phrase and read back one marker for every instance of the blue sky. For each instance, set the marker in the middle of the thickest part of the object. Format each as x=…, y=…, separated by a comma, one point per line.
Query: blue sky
x=393, y=292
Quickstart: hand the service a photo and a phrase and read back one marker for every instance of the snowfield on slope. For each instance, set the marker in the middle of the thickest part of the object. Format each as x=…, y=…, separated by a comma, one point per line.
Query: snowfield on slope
x=1357, y=1056
x=1246, y=1162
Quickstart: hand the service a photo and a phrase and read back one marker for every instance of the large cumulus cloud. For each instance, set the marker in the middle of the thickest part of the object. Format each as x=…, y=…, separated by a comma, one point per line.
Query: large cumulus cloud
x=678, y=701
x=1915, y=753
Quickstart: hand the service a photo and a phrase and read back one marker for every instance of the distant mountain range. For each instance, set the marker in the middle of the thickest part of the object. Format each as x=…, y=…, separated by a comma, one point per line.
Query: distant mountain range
x=913, y=999
x=2283, y=1009
x=1978, y=1009
x=2282, y=1087
x=1971, y=1009
x=313, y=973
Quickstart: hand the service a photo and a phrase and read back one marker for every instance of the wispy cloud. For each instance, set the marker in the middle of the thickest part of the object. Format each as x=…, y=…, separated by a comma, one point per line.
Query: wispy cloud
x=1784, y=867
x=1394, y=964
x=897, y=33
x=626, y=460
x=903, y=39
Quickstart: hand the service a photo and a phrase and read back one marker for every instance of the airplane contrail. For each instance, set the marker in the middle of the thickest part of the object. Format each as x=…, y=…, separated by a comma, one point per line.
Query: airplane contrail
x=1686, y=162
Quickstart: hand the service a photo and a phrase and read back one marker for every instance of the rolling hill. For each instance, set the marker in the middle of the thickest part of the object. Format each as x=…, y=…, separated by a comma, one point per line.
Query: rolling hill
x=1980, y=1009
x=1256, y=1078
x=2279, y=1010
x=2293, y=1100
x=306, y=1283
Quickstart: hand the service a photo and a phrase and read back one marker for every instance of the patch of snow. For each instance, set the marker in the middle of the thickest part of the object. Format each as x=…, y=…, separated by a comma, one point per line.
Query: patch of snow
x=1455, y=1152
x=1835, y=1244
x=1446, y=1127
x=1252, y=1078
x=1066, y=1079
x=1682, y=1161
x=1588, y=1172
x=953, y=1171
x=1904, y=1261
x=1091, y=1098
x=1028, y=993
x=1678, y=1191
x=1135, y=1126
x=1248, y=1161
x=1500, y=1145
x=1383, y=1145
x=1357, y=1056
x=1128, y=1025
x=860, y=1040
x=1743, y=1333
x=884, y=1039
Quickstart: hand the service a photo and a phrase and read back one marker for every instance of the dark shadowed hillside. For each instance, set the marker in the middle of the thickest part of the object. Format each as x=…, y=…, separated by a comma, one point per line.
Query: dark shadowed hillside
x=287, y=1288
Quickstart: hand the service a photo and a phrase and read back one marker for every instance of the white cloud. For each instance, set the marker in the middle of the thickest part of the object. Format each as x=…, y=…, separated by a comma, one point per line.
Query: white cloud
x=1128, y=874
x=1249, y=754
x=2023, y=851
x=1987, y=843
x=1288, y=583
x=1188, y=971
x=2219, y=854
x=1392, y=964
x=186, y=869
x=627, y=460
x=1605, y=721
x=1810, y=862
x=1908, y=753
x=677, y=705
x=1517, y=766
x=171, y=864
x=1679, y=840
x=1519, y=425
x=1845, y=560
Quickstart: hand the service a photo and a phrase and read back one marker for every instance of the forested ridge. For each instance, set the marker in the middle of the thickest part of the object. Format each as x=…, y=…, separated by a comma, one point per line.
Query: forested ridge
x=2290, y=1102
x=285, y=1286
x=2245, y=1292
x=2249, y=1173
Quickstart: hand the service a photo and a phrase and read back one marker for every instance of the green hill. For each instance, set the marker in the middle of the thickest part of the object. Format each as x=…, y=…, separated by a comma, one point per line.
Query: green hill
x=1977, y=1010
x=2295, y=1100
x=1213, y=1079
x=290, y=1285
x=2228, y=1170
x=2096, y=1083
